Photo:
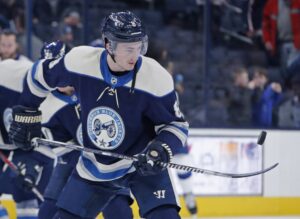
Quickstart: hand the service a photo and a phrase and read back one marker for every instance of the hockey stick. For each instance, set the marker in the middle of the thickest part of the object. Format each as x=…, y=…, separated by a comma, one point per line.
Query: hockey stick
x=40, y=141
x=14, y=168
x=9, y=147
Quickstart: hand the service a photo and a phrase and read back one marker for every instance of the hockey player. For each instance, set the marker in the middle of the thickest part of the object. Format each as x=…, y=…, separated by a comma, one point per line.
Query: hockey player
x=35, y=165
x=128, y=106
x=8, y=50
x=61, y=122
x=185, y=179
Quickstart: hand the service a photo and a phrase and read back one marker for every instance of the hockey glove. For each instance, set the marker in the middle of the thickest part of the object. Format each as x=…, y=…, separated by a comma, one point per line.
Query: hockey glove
x=148, y=163
x=25, y=126
x=53, y=50
x=30, y=173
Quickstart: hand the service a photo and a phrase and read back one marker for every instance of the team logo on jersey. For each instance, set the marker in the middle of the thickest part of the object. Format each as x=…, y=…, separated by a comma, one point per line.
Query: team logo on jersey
x=105, y=128
x=113, y=80
x=79, y=134
x=7, y=118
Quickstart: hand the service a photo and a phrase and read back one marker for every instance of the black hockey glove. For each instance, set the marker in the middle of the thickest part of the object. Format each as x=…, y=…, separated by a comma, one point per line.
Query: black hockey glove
x=53, y=50
x=148, y=162
x=30, y=173
x=25, y=126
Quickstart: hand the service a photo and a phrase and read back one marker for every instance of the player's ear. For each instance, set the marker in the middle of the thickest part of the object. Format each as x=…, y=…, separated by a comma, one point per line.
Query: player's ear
x=108, y=46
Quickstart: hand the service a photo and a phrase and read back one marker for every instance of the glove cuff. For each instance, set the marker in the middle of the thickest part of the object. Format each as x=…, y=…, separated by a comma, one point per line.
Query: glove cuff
x=168, y=150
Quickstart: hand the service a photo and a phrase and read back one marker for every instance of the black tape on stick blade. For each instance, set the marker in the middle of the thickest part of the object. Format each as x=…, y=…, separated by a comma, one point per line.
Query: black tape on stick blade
x=262, y=137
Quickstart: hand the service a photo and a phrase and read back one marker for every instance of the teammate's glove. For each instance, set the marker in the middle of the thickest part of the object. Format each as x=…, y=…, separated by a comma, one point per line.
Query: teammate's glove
x=25, y=126
x=148, y=162
x=53, y=50
x=29, y=174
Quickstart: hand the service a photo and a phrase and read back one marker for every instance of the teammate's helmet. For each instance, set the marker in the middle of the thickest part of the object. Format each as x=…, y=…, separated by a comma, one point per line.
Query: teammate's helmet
x=124, y=27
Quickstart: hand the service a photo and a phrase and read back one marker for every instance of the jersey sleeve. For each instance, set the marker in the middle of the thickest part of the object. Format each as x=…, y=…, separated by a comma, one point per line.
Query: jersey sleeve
x=43, y=77
x=170, y=125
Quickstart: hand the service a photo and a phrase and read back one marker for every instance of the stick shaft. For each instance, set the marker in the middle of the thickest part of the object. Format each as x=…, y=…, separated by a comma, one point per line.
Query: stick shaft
x=14, y=168
x=40, y=141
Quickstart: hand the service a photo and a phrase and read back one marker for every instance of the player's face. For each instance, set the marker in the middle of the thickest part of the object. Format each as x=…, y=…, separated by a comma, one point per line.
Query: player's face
x=8, y=46
x=127, y=54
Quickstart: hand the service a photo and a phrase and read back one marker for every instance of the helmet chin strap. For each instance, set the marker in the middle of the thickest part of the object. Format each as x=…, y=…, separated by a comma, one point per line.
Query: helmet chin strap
x=112, y=56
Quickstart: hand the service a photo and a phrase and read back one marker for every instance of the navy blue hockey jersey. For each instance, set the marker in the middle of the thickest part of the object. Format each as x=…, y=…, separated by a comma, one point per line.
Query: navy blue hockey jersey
x=61, y=122
x=113, y=118
x=12, y=74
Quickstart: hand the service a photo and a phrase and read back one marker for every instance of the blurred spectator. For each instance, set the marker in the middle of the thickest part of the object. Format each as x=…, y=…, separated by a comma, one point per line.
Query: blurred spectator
x=40, y=9
x=67, y=37
x=9, y=46
x=266, y=98
x=281, y=29
x=71, y=18
x=289, y=110
x=254, y=17
x=178, y=78
x=8, y=8
x=292, y=71
x=37, y=44
x=240, y=108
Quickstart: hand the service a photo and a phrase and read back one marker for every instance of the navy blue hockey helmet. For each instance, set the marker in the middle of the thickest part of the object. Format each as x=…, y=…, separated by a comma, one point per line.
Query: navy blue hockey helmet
x=124, y=26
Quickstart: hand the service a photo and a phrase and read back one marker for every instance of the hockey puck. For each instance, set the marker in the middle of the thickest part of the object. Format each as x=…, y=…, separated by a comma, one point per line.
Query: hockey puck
x=262, y=137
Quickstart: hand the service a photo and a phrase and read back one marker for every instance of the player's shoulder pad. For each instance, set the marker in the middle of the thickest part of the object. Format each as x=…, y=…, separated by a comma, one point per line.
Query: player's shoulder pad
x=84, y=60
x=153, y=78
x=13, y=72
x=50, y=106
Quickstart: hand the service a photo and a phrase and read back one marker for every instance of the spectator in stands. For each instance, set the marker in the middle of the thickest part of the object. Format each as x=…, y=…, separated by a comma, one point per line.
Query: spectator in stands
x=177, y=77
x=66, y=36
x=289, y=110
x=72, y=19
x=8, y=8
x=240, y=108
x=37, y=44
x=281, y=29
x=266, y=98
x=254, y=19
x=9, y=46
x=291, y=71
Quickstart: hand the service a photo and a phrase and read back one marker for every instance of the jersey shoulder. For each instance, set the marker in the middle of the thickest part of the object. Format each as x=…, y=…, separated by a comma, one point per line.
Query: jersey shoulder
x=13, y=73
x=153, y=78
x=50, y=106
x=84, y=60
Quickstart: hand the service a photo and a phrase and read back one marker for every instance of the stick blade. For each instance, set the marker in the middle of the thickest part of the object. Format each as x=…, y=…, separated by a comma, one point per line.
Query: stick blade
x=262, y=137
x=254, y=173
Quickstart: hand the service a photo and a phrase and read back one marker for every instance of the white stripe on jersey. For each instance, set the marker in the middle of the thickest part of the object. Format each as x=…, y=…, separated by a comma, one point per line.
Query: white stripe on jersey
x=102, y=172
x=174, y=128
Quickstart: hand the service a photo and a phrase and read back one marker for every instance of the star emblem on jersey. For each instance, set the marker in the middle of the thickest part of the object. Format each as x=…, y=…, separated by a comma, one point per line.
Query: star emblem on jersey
x=105, y=128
